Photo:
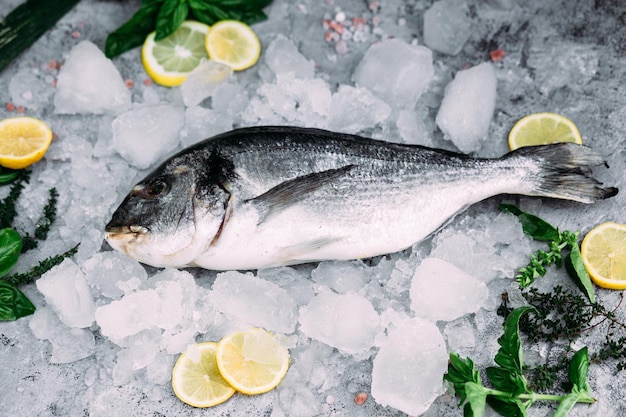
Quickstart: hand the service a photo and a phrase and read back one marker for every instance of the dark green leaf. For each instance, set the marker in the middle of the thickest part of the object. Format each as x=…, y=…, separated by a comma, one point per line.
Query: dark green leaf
x=567, y=404
x=10, y=249
x=13, y=303
x=243, y=10
x=476, y=396
x=210, y=15
x=133, y=33
x=508, y=407
x=461, y=372
x=507, y=381
x=578, y=370
x=577, y=271
x=510, y=355
x=170, y=17
x=8, y=175
x=533, y=226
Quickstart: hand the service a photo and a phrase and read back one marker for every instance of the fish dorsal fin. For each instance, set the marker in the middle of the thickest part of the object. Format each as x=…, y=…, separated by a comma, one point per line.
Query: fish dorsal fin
x=292, y=191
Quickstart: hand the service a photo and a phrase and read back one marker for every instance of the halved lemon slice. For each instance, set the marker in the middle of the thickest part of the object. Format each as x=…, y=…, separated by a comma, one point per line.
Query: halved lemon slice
x=169, y=61
x=23, y=141
x=252, y=362
x=604, y=254
x=233, y=43
x=196, y=379
x=543, y=129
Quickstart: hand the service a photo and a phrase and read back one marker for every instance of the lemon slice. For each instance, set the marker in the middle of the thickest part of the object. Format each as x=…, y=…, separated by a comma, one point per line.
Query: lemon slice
x=23, y=141
x=604, y=254
x=196, y=379
x=252, y=362
x=233, y=43
x=542, y=129
x=169, y=60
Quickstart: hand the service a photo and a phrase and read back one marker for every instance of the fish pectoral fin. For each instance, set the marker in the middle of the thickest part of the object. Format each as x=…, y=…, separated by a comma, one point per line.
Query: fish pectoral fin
x=304, y=251
x=292, y=191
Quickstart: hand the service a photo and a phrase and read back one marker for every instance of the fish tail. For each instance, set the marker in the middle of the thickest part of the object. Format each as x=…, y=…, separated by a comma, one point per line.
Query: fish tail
x=563, y=171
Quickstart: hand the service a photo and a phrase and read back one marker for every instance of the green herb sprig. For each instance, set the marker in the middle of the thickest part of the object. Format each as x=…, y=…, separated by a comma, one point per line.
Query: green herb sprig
x=563, y=247
x=165, y=16
x=510, y=394
x=13, y=303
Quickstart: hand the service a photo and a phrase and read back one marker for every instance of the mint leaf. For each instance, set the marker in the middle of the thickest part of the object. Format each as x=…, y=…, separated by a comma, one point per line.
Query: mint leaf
x=509, y=407
x=171, y=15
x=578, y=273
x=460, y=372
x=476, y=396
x=510, y=355
x=579, y=369
x=10, y=248
x=533, y=226
x=133, y=33
x=567, y=404
x=506, y=380
x=13, y=303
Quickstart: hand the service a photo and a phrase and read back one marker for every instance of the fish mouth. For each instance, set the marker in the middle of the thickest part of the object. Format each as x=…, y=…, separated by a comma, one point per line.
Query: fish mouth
x=135, y=230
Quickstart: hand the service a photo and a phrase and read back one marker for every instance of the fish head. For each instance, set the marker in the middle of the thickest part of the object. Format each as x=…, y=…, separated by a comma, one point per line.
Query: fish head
x=170, y=217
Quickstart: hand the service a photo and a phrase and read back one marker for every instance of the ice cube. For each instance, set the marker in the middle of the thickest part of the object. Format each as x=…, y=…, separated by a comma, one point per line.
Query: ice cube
x=345, y=321
x=467, y=107
x=297, y=284
x=447, y=26
x=68, y=344
x=282, y=56
x=106, y=270
x=341, y=276
x=203, y=81
x=146, y=134
x=66, y=290
x=254, y=301
x=415, y=127
x=441, y=291
x=355, y=109
x=231, y=100
x=89, y=83
x=128, y=316
x=409, y=367
x=202, y=123
x=396, y=72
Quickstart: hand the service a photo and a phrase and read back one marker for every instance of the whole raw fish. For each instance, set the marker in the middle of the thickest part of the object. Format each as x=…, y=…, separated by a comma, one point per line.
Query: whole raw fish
x=268, y=196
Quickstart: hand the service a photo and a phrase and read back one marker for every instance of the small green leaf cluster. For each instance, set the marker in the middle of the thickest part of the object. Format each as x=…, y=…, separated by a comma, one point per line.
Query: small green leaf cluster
x=165, y=16
x=510, y=394
x=13, y=303
x=559, y=242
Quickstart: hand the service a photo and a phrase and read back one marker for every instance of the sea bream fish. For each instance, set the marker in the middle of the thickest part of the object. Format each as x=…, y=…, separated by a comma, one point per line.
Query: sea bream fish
x=268, y=196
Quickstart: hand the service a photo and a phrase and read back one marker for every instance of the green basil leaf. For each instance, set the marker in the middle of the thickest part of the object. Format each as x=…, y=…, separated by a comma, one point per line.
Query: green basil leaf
x=507, y=381
x=510, y=355
x=170, y=17
x=8, y=175
x=133, y=33
x=461, y=372
x=575, y=267
x=533, y=226
x=247, y=11
x=10, y=249
x=567, y=404
x=508, y=407
x=13, y=303
x=476, y=398
x=210, y=15
x=578, y=370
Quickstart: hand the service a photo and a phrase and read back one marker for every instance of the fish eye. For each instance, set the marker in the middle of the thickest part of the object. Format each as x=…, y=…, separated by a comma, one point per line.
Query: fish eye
x=156, y=188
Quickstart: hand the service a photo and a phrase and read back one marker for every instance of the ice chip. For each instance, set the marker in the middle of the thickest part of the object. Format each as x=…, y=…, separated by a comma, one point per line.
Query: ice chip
x=441, y=291
x=447, y=26
x=203, y=81
x=202, y=123
x=409, y=367
x=66, y=290
x=68, y=344
x=341, y=276
x=356, y=109
x=282, y=56
x=89, y=83
x=128, y=316
x=396, y=72
x=467, y=107
x=254, y=301
x=106, y=270
x=148, y=133
x=345, y=321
